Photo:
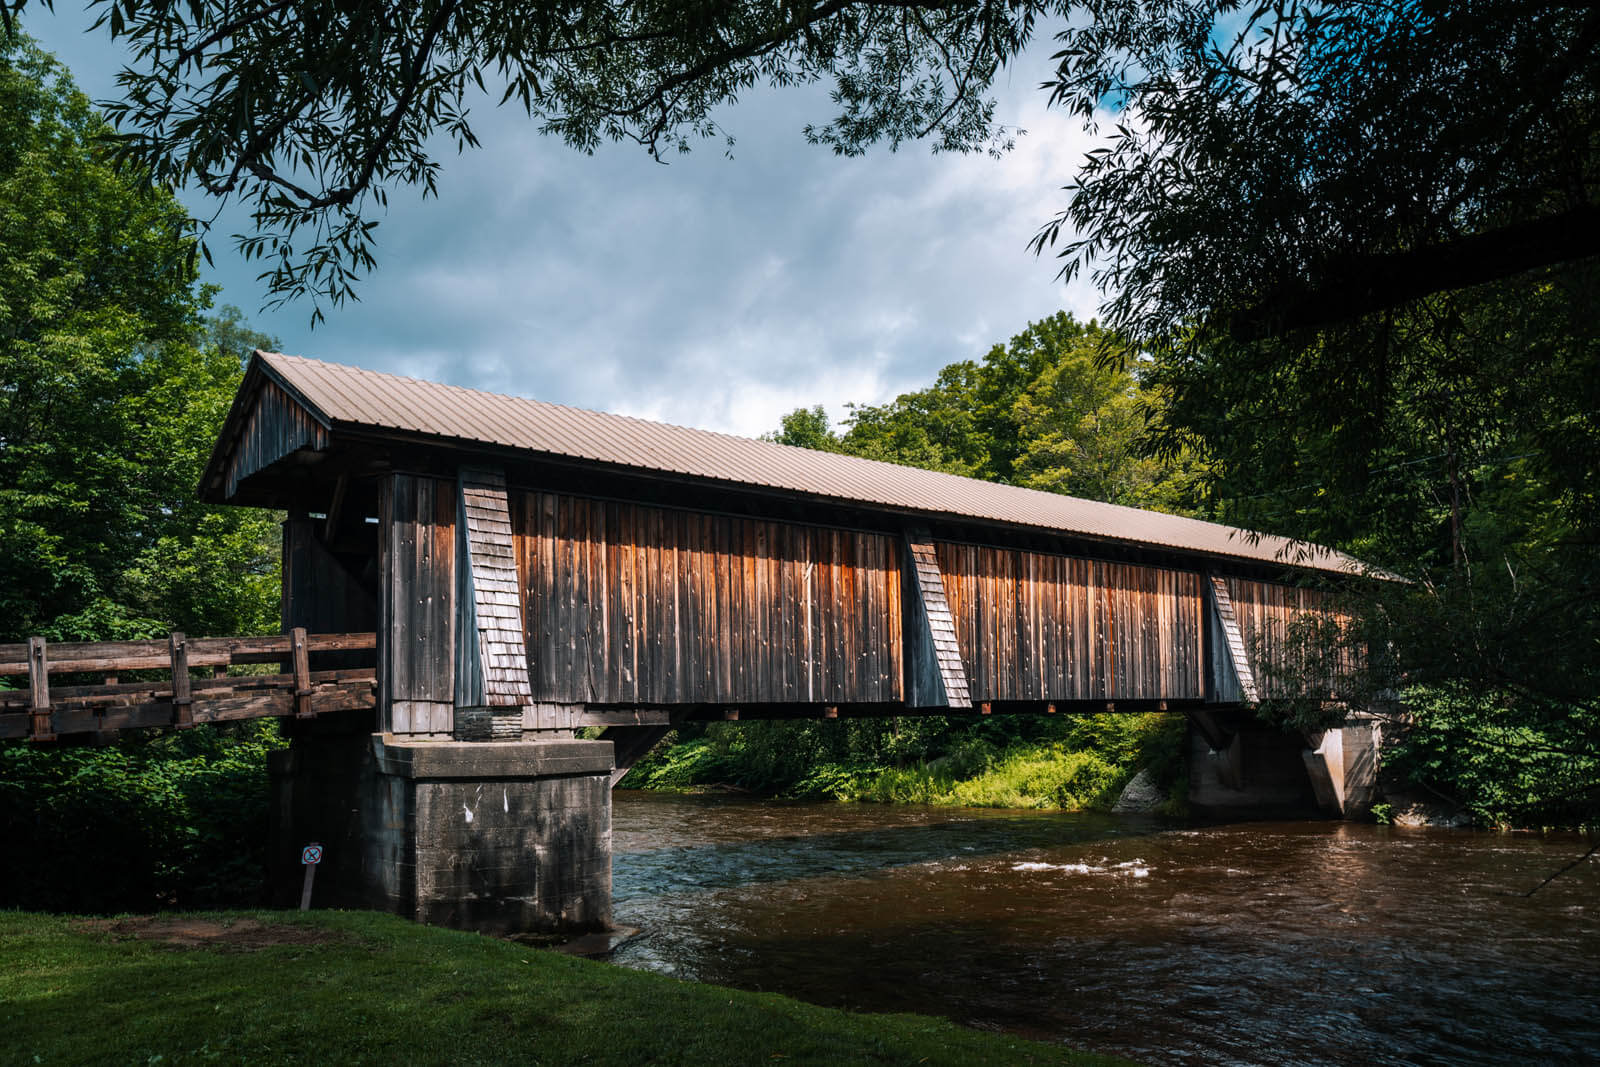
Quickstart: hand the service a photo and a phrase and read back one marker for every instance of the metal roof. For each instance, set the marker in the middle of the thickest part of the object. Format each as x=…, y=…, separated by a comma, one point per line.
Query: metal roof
x=340, y=394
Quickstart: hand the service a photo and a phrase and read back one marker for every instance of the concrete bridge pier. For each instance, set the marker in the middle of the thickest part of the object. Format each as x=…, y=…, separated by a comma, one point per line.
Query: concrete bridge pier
x=1242, y=768
x=495, y=836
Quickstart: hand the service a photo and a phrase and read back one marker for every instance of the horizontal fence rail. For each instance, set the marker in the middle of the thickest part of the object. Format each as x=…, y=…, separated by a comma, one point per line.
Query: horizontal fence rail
x=39, y=710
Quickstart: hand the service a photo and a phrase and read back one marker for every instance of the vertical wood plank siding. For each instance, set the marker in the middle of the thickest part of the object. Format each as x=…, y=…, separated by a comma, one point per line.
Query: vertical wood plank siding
x=275, y=427
x=644, y=605
x=416, y=641
x=1037, y=626
x=1266, y=611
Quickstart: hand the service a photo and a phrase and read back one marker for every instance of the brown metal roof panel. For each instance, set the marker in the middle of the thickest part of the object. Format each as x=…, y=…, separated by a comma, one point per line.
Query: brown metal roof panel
x=391, y=402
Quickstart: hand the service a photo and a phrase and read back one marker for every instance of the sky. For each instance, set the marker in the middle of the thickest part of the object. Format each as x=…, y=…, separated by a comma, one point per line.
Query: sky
x=711, y=292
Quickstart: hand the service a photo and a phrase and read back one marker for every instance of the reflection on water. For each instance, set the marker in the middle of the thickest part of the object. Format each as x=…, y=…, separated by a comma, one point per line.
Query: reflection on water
x=1247, y=943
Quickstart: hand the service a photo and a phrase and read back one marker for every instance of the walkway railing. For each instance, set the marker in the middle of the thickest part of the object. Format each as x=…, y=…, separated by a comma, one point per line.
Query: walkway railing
x=194, y=684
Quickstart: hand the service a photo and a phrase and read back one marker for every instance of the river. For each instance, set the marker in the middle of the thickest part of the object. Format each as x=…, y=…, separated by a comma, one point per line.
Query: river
x=1247, y=943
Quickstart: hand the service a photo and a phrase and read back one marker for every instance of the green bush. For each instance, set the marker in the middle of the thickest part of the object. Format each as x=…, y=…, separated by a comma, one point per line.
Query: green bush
x=168, y=820
x=1506, y=758
x=1063, y=761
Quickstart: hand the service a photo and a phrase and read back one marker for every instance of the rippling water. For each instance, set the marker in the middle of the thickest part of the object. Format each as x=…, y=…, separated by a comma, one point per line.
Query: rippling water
x=1247, y=943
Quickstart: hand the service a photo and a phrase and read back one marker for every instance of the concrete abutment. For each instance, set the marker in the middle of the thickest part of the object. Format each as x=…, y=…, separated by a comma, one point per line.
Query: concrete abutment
x=494, y=836
x=1242, y=768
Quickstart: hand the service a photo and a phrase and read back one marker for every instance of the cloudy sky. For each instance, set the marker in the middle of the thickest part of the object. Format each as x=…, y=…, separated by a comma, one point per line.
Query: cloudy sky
x=709, y=292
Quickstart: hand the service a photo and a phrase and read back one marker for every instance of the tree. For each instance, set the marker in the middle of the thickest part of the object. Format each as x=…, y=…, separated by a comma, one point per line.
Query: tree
x=1399, y=147
x=110, y=395
x=1043, y=411
x=1317, y=163
x=805, y=428
x=312, y=111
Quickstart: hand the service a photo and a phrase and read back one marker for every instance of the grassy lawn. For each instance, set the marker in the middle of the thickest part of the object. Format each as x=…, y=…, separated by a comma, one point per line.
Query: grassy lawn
x=357, y=987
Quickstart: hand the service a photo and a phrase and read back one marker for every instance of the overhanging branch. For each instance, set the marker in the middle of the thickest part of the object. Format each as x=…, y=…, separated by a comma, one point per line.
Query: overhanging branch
x=1363, y=284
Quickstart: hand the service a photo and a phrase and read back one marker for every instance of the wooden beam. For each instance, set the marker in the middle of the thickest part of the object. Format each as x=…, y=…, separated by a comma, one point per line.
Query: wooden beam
x=608, y=717
x=629, y=744
x=302, y=673
x=731, y=715
x=335, y=509
x=40, y=728
x=830, y=712
x=214, y=700
x=182, y=698
x=113, y=656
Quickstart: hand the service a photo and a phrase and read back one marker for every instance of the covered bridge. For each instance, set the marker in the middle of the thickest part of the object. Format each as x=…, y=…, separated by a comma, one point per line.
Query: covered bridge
x=530, y=568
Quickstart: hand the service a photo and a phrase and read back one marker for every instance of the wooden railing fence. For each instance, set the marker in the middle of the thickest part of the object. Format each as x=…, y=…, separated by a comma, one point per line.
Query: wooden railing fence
x=40, y=711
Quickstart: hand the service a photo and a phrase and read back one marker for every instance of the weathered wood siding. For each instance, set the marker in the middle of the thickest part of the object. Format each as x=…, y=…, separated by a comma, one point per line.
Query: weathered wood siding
x=416, y=637
x=1037, y=626
x=1266, y=612
x=642, y=605
x=275, y=427
x=319, y=594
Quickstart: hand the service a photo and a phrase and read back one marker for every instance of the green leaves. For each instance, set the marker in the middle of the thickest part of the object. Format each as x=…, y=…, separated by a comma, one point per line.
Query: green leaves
x=109, y=395
x=312, y=111
x=1057, y=409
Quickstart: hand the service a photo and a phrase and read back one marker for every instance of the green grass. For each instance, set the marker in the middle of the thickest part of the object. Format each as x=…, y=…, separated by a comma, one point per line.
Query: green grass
x=1040, y=776
x=383, y=990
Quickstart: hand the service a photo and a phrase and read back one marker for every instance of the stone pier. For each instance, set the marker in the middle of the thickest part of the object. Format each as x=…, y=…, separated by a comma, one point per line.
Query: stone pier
x=495, y=836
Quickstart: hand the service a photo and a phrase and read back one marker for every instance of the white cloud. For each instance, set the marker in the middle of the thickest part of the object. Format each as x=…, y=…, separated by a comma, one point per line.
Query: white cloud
x=711, y=292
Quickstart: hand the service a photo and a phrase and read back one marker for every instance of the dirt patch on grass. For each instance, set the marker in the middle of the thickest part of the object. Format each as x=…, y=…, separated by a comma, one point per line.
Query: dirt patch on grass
x=234, y=934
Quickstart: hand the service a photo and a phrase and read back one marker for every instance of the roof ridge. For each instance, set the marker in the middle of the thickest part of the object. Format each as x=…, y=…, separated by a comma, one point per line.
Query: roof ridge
x=1094, y=514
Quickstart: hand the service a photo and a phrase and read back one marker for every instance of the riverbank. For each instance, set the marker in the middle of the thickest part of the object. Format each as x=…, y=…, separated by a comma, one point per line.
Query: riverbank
x=360, y=987
x=1066, y=763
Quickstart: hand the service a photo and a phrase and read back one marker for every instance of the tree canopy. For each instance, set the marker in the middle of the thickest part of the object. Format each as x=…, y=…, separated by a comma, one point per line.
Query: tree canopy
x=1044, y=411
x=111, y=390
x=1271, y=166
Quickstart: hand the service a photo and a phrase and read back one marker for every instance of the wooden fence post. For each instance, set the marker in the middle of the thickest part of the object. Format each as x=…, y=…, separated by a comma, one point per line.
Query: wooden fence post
x=302, y=673
x=182, y=696
x=40, y=727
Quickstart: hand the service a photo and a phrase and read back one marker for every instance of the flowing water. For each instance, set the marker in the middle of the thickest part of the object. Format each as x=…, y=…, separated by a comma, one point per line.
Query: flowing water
x=1282, y=943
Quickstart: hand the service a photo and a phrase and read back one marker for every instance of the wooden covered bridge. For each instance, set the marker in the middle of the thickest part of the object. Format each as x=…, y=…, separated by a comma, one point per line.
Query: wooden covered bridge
x=526, y=568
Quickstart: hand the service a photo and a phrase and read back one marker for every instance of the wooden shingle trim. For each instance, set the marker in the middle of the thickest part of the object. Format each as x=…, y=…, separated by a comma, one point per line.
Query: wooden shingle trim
x=495, y=589
x=1234, y=639
x=941, y=626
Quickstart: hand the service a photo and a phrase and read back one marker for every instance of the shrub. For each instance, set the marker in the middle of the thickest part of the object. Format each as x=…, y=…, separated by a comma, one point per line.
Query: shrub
x=168, y=820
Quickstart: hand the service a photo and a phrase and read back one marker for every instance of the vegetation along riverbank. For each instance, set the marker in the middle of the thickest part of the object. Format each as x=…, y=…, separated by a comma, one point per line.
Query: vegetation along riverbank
x=1072, y=762
x=335, y=987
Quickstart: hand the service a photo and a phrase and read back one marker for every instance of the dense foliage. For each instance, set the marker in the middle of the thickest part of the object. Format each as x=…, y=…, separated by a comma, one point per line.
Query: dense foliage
x=1047, y=411
x=1382, y=150
x=169, y=820
x=112, y=390
x=1363, y=351
x=1069, y=761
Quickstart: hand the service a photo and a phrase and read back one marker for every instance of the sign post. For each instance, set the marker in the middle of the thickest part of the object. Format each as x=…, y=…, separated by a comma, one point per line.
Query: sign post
x=310, y=856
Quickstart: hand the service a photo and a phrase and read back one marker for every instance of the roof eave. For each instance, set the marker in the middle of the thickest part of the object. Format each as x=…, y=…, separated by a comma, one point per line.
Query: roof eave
x=259, y=369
